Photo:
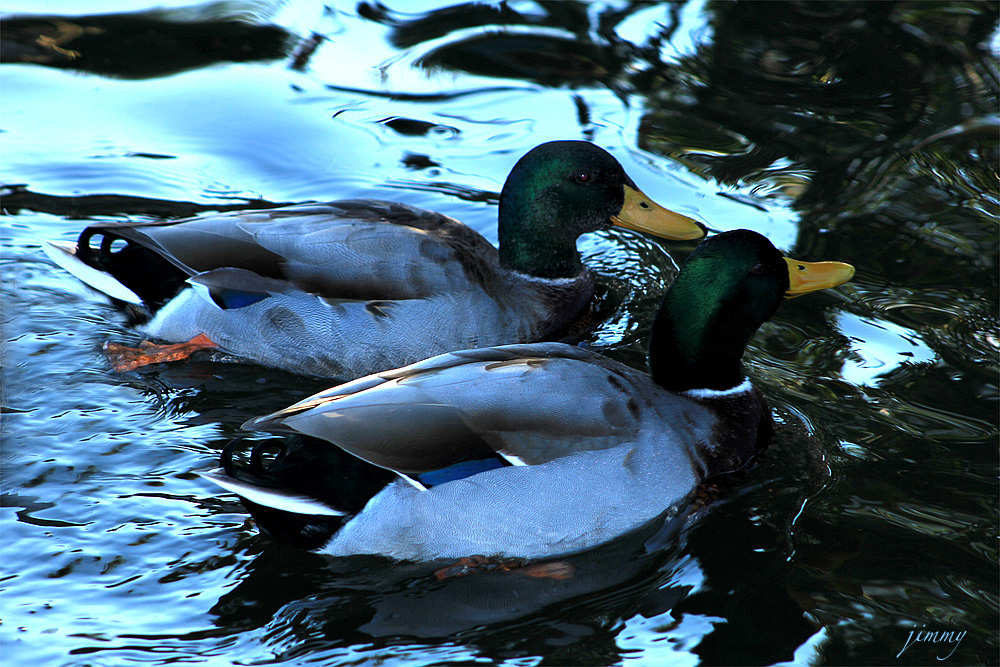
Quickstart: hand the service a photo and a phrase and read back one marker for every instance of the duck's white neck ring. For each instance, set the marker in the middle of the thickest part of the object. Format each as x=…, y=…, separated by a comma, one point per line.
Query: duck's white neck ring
x=741, y=388
x=552, y=281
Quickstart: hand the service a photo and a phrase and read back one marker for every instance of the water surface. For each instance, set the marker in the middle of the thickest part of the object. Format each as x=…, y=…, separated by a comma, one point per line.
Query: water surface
x=862, y=132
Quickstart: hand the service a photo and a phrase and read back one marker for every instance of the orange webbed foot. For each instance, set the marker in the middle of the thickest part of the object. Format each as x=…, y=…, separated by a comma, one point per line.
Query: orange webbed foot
x=552, y=570
x=471, y=564
x=125, y=358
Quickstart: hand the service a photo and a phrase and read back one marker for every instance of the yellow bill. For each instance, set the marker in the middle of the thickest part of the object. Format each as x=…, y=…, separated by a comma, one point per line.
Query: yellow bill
x=642, y=214
x=805, y=277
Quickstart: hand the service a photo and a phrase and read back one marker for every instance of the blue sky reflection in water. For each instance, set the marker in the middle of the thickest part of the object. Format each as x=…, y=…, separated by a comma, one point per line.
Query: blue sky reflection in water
x=859, y=132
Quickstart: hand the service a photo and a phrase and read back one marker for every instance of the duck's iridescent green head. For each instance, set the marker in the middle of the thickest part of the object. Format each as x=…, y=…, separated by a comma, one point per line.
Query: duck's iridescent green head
x=730, y=285
x=562, y=189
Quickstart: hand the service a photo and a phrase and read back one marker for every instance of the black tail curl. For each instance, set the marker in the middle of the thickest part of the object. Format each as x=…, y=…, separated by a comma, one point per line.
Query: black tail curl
x=307, y=466
x=153, y=278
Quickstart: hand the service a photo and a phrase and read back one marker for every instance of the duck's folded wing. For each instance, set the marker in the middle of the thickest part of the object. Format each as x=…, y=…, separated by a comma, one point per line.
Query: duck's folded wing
x=528, y=403
x=365, y=249
x=355, y=249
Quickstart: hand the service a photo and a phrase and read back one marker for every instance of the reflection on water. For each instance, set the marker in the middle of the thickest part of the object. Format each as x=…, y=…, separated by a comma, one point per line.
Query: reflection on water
x=883, y=348
x=865, y=132
x=134, y=45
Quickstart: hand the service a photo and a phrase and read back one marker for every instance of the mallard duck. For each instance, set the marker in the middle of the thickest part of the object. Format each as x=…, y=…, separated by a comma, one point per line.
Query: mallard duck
x=530, y=451
x=352, y=287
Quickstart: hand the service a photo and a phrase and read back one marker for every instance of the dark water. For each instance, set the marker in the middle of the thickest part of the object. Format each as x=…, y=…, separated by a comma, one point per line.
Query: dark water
x=862, y=132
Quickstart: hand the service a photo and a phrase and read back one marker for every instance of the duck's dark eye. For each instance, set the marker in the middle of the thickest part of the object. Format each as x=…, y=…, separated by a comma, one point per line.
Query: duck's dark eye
x=583, y=177
x=757, y=269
